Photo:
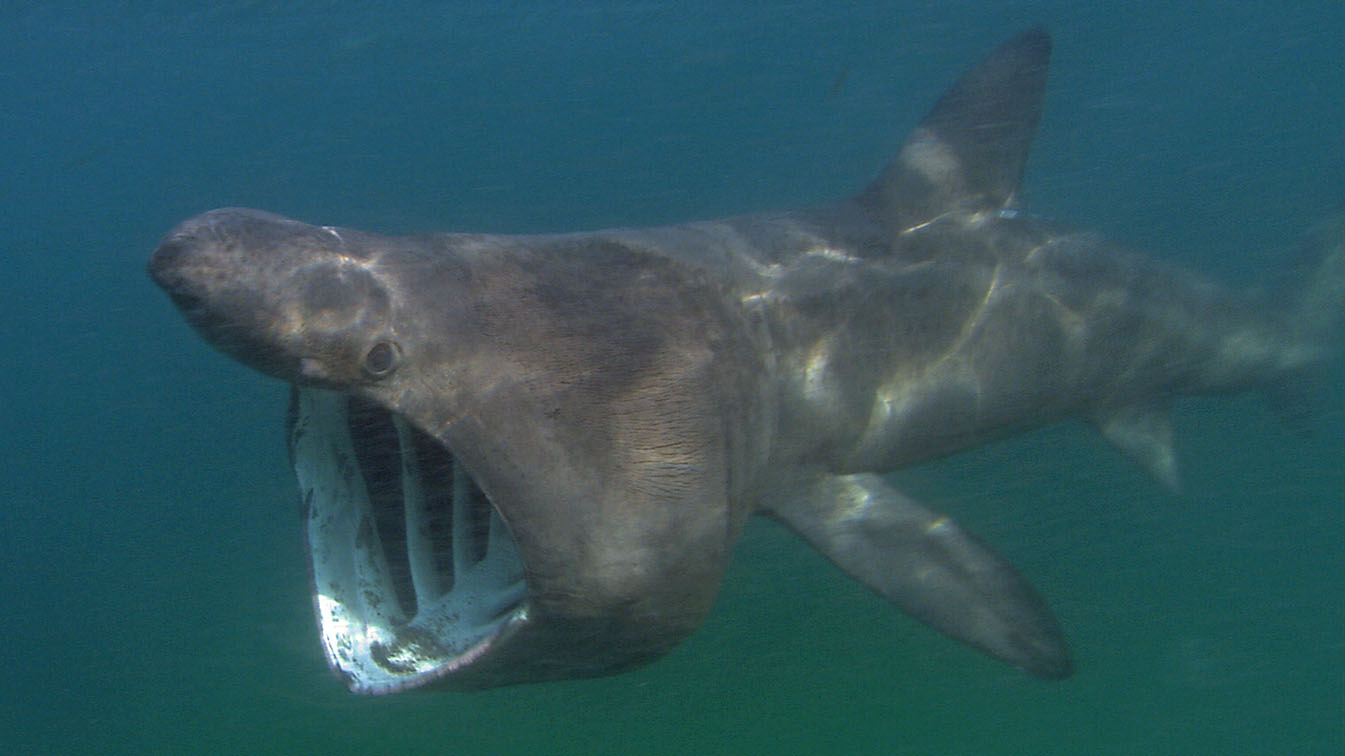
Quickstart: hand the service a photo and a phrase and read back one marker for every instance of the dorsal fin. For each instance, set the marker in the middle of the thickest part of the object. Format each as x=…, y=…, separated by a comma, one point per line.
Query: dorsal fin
x=969, y=153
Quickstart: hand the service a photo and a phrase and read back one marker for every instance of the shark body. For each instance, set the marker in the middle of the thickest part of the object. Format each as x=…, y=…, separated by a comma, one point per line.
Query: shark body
x=526, y=458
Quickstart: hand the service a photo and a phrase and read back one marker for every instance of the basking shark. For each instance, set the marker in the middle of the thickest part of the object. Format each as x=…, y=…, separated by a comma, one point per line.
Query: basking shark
x=527, y=458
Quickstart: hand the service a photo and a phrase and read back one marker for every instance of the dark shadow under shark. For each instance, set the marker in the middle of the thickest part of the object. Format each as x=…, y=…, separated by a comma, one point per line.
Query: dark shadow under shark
x=527, y=458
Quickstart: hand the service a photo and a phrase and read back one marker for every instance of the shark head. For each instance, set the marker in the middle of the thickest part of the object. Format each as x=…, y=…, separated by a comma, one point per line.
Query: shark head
x=489, y=488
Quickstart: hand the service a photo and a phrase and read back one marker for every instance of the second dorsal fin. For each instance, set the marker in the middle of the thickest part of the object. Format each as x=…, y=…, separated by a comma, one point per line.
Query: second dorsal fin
x=1143, y=433
x=970, y=151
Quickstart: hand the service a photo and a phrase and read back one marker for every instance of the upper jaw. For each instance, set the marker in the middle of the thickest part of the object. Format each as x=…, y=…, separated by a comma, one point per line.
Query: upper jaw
x=415, y=575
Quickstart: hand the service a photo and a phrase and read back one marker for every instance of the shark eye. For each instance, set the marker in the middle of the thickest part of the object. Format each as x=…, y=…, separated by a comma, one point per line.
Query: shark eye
x=380, y=359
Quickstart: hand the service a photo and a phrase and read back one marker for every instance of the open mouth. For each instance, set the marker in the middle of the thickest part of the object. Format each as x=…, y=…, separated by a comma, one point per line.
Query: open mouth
x=415, y=576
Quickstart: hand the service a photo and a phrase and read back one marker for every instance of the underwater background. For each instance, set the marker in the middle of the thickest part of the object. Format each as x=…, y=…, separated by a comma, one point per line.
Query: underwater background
x=154, y=582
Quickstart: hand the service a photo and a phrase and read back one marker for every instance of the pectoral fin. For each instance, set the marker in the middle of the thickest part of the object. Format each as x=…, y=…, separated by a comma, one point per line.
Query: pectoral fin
x=929, y=567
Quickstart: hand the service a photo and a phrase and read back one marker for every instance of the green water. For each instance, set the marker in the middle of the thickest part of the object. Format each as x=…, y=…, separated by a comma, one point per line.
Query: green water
x=157, y=595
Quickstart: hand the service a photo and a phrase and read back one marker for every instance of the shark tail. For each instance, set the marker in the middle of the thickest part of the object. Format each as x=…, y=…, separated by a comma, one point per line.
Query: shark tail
x=1310, y=296
x=1313, y=288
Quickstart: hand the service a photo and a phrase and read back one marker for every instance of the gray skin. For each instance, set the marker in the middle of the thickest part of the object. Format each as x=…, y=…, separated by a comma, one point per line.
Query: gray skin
x=626, y=398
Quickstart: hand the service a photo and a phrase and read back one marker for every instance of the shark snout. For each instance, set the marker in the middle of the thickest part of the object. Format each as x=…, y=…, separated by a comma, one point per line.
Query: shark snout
x=164, y=263
x=192, y=259
x=202, y=265
x=225, y=263
x=172, y=266
x=295, y=301
x=179, y=268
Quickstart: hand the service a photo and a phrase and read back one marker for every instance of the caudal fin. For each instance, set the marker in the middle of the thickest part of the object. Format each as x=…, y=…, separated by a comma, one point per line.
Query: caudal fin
x=1311, y=294
x=1314, y=285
